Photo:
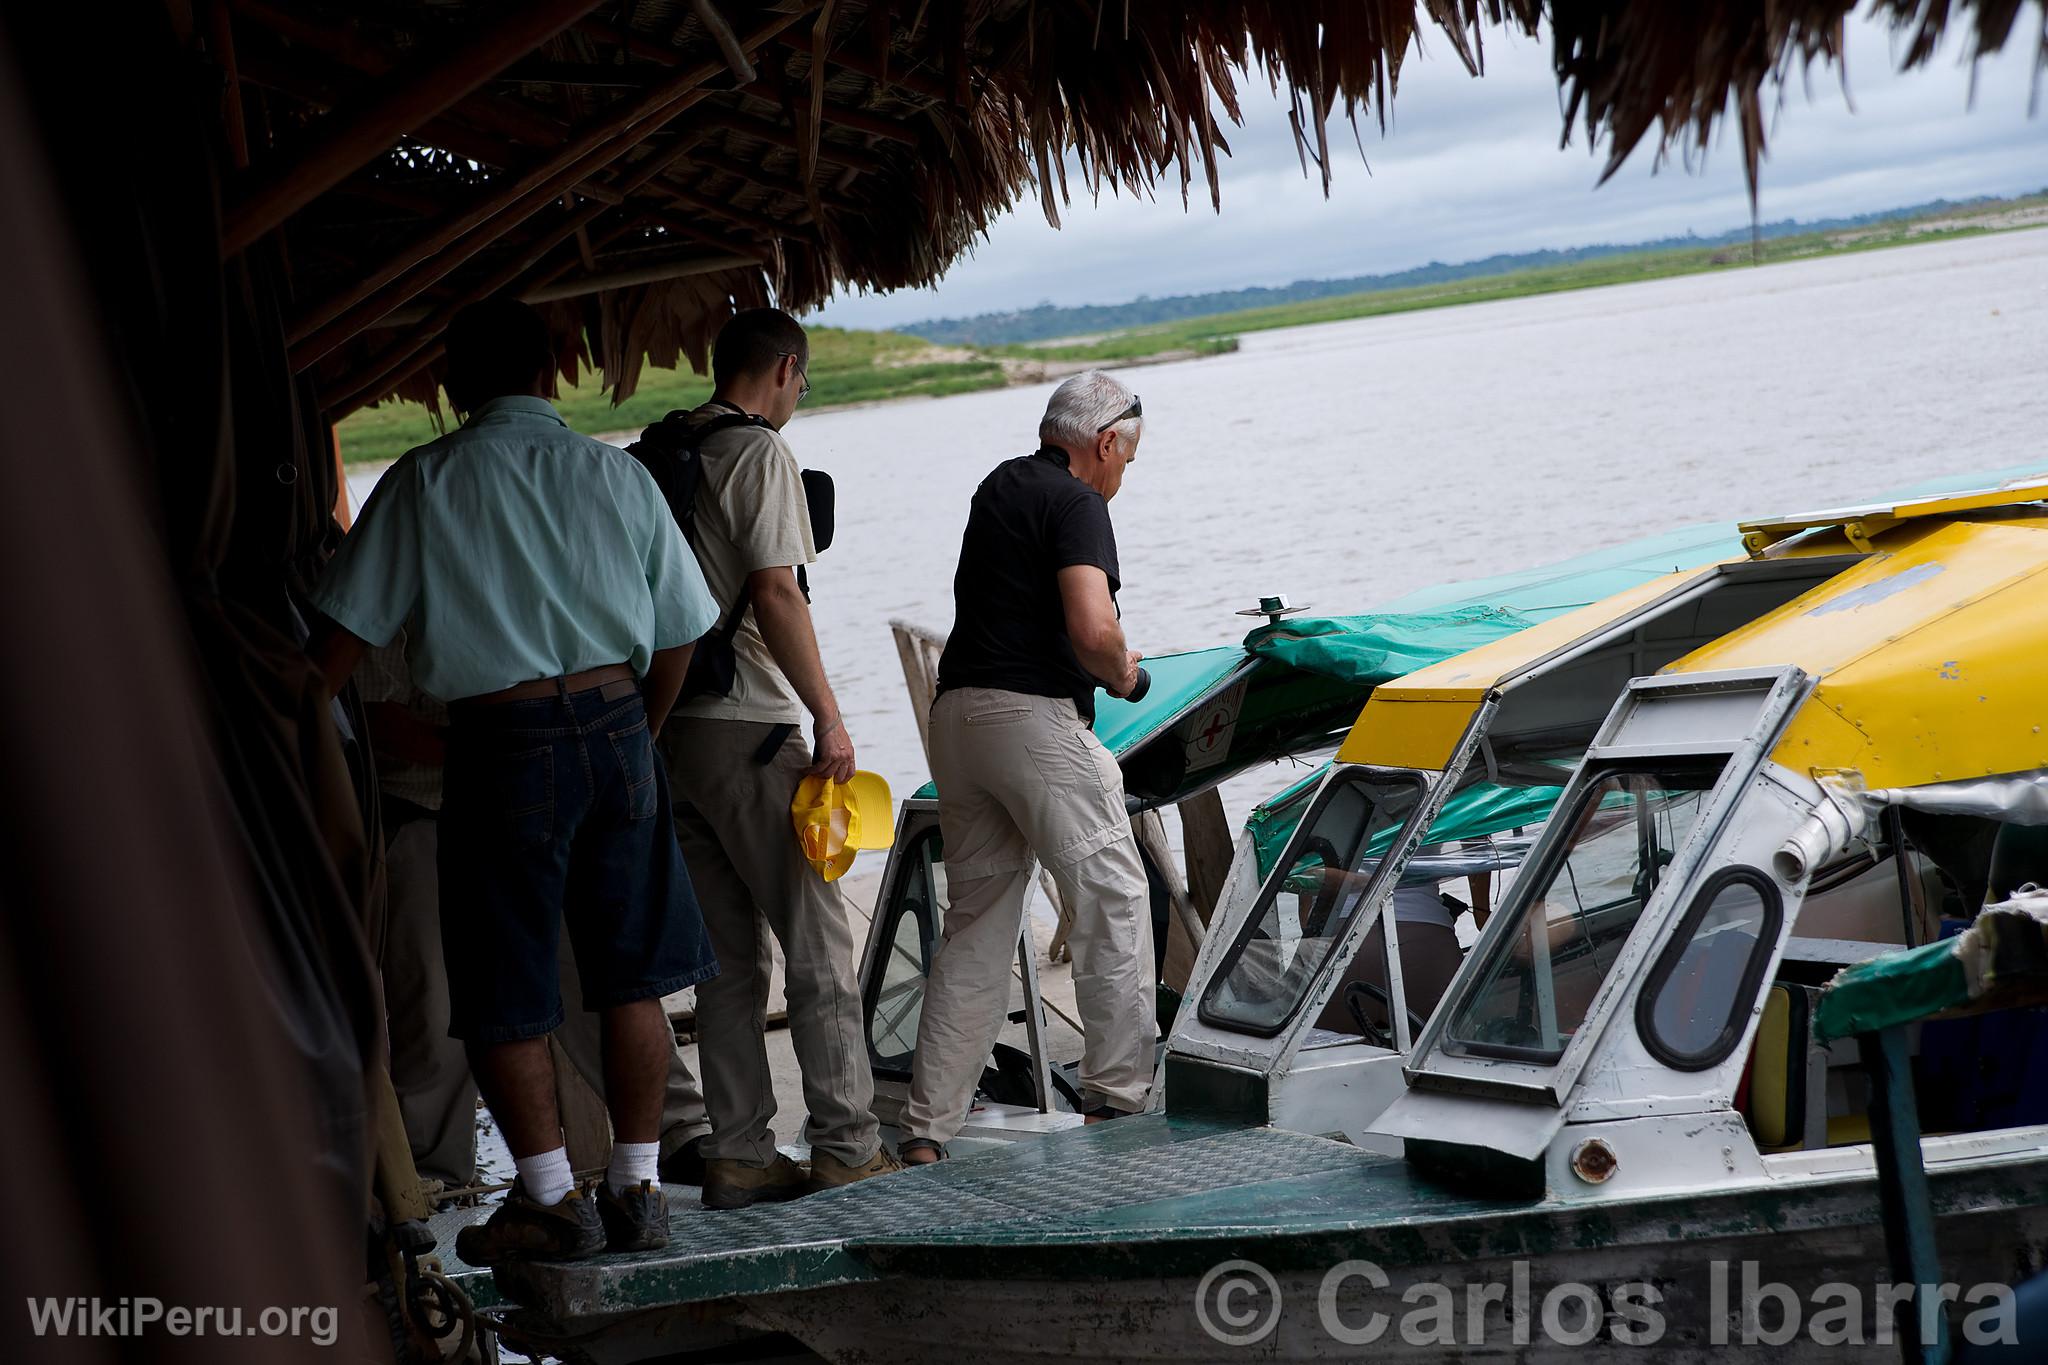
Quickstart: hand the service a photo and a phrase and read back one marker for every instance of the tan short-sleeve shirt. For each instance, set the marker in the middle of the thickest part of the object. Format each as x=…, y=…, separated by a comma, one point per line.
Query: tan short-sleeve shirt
x=751, y=514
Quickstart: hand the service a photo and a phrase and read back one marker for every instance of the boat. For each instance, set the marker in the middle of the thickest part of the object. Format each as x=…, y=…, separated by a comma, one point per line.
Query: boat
x=1621, y=1107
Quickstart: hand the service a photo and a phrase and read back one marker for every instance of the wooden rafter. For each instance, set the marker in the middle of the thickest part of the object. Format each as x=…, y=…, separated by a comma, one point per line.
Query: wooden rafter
x=875, y=69
x=776, y=134
x=390, y=369
x=427, y=86
x=441, y=249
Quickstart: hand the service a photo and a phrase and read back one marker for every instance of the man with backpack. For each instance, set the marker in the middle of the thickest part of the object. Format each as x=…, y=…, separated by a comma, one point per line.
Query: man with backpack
x=736, y=754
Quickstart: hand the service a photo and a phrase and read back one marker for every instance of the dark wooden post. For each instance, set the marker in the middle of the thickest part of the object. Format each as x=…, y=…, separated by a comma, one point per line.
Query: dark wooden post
x=428, y=86
x=1903, y=1198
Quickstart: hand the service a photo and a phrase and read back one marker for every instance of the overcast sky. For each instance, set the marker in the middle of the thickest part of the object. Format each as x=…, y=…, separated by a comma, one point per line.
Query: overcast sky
x=1472, y=167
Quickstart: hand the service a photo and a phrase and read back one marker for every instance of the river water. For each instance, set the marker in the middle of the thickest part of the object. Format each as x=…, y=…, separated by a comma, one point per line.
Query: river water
x=1348, y=463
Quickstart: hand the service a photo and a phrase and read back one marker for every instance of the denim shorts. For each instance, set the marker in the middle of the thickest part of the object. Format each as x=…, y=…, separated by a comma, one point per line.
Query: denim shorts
x=556, y=811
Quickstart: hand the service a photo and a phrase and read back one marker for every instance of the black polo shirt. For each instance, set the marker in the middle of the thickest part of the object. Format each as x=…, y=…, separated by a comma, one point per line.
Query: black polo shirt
x=1029, y=519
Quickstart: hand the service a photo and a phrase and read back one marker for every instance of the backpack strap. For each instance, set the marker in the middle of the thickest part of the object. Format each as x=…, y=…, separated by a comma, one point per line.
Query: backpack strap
x=671, y=450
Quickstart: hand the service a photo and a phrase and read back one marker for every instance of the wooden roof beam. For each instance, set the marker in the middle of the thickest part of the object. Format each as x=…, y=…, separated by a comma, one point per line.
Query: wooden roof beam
x=431, y=256
x=633, y=44
x=691, y=230
x=536, y=71
x=866, y=64
x=725, y=212
x=408, y=354
x=426, y=86
x=269, y=72
x=751, y=175
x=775, y=134
x=597, y=281
x=859, y=121
x=426, y=346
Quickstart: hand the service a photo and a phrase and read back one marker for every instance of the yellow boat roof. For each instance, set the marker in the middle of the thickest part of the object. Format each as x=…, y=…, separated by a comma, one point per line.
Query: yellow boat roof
x=1931, y=655
x=1415, y=721
x=1861, y=523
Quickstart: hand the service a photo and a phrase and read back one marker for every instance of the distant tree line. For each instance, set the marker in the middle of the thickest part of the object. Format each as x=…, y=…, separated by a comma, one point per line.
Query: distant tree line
x=1047, y=321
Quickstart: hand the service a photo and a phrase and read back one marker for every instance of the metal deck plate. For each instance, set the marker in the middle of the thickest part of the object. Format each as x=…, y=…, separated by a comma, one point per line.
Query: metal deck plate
x=1049, y=1185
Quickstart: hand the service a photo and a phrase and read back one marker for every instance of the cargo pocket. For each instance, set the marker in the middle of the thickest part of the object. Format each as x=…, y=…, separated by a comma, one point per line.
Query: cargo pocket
x=1065, y=763
x=634, y=748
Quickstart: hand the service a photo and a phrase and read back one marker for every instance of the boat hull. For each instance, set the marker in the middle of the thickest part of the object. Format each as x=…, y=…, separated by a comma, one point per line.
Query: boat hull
x=1802, y=1275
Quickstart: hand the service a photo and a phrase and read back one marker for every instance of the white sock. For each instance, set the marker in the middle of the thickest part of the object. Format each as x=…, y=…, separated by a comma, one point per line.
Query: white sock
x=633, y=1162
x=546, y=1178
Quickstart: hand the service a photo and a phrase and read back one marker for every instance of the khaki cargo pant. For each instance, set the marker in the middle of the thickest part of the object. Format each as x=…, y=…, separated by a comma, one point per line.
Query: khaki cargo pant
x=429, y=1070
x=732, y=817
x=1020, y=776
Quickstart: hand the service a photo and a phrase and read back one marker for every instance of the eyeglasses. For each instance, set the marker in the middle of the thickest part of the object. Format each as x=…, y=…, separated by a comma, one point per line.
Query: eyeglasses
x=802, y=378
x=1136, y=409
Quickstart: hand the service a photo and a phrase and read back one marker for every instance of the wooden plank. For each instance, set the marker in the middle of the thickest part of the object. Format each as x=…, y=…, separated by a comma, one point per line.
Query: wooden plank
x=1205, y=830
x=586, y=1127
x=1185, y=928
x=918, y=650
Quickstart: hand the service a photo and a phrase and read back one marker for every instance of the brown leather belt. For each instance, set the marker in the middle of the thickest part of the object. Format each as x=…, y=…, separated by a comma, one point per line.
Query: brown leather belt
x=551, y=687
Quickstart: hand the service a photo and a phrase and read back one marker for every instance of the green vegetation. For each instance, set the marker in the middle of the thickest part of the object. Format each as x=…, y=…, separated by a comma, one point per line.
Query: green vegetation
x=862, y=367
x=1628, y=268
x=846, y=367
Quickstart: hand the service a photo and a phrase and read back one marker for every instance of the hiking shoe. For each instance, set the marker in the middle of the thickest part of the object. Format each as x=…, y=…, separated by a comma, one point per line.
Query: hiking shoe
x=734, y=1184
x=685, y=1165
x=828, y=1172
x=634, y=1221
x=522, y=1230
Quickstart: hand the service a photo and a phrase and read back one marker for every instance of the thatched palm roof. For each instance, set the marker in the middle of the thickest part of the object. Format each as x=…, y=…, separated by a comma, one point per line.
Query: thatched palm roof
x=646, y=166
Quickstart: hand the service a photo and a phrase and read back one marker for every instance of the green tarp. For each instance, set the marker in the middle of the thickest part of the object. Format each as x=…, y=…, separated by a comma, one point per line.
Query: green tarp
x=1369, y=650
x=1892, y=990
x=1470, y=814
x=1422, y=628
x=1999, y=962
x=1177, y=680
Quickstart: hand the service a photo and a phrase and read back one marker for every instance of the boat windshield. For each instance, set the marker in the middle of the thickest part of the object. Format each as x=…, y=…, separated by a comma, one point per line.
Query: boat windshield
x=1305, y=910
x=1583, y=901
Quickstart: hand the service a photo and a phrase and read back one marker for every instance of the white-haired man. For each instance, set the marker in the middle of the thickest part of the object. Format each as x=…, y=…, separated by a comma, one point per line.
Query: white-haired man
x=1021, y=774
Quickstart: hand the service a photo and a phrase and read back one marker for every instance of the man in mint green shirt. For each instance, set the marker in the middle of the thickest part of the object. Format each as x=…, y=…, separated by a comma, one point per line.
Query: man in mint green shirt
x=546, y=595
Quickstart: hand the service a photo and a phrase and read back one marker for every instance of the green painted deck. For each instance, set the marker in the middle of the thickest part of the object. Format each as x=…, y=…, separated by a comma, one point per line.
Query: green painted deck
x=1044, y=1188
x=1158, y=1196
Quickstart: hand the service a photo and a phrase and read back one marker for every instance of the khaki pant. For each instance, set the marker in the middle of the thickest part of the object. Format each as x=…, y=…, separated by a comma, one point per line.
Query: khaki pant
x=1020, y=776
x=436, y=1094
x=732, y=817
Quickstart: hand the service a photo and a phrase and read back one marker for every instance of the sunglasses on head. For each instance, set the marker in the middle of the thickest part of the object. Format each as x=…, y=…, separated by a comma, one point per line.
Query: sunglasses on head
x=1136, y=409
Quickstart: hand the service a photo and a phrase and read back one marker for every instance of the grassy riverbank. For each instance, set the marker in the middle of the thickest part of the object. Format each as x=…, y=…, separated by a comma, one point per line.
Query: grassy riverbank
x=861, y=367
x=1629, y=268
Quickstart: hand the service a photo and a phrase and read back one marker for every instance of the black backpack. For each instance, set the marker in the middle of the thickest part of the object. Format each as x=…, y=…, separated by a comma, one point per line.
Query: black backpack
x=672, y=451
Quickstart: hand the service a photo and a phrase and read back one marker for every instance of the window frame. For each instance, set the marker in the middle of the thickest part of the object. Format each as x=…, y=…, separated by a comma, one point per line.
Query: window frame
x=1269, y=890
x=1539, y=878
x=1742, y=1007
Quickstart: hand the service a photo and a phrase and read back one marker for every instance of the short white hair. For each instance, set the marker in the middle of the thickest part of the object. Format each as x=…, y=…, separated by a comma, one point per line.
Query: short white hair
x=1082, y=406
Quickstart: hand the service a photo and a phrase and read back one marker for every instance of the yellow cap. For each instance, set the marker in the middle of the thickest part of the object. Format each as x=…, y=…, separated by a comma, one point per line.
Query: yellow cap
x=835, y=819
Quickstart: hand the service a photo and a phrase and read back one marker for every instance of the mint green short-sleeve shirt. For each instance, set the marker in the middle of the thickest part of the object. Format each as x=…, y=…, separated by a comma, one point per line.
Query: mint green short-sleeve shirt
x=513, y=549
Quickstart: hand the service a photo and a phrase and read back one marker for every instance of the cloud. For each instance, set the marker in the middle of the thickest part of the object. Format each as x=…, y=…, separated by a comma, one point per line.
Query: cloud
x=1470, y=167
